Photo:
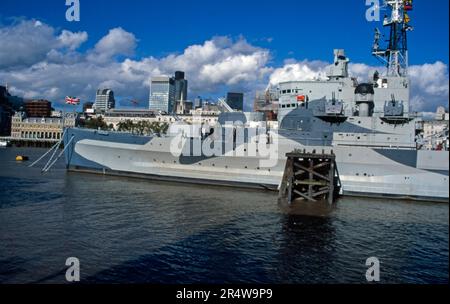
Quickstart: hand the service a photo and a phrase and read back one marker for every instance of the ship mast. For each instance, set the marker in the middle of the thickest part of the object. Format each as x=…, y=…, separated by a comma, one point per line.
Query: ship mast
x=395, y=56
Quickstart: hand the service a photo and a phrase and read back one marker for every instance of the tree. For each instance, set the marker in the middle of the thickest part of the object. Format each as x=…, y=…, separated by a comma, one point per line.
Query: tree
x=143, y=127
x=158, y=128
x=96, y=123
x=126, y=126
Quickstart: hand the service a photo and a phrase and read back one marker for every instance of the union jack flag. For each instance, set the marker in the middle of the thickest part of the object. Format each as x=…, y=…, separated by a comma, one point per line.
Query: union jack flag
x=72, y=100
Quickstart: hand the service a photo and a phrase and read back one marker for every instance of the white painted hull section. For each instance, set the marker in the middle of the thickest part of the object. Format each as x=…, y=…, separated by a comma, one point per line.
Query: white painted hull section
x=362, y=170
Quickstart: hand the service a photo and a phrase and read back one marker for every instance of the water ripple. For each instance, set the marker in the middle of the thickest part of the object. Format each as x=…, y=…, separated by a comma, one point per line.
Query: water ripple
x=130, y=230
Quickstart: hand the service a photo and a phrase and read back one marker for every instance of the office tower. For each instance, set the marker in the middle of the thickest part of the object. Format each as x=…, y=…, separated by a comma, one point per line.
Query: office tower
x=198, y=102
x=181, y=85
x=104, y=100
x=162, y=94
x=236, y=101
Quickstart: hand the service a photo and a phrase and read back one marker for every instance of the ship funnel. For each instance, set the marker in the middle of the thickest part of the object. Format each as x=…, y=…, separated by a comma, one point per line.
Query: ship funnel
x=364, y=94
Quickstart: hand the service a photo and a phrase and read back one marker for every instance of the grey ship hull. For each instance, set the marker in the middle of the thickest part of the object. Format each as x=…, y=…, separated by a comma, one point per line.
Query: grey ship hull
x=364, y=171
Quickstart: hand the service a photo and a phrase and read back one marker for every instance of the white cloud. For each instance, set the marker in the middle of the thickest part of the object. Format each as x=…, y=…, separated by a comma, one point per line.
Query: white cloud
x=72, y=40
x=362, y=71
x=429, y=86
x=61, y=70
x=209, y=66
x=30, y=41
x=431, y=78
x=39, y=62
x=25, y=43
x=298, y=71
x=116, y=42
x=429, y=82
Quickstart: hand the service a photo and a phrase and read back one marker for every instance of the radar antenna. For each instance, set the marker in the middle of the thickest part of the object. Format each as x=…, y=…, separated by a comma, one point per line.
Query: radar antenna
x=395, y=56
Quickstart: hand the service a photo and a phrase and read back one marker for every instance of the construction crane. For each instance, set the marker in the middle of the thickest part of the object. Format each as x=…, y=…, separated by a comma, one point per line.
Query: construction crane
x=133, y=102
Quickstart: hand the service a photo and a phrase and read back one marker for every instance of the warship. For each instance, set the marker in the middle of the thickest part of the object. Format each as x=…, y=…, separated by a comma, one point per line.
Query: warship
x=369, y=127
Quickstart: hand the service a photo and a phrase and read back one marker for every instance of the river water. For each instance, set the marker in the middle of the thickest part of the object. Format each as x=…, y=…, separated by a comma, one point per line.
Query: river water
x=140, y=231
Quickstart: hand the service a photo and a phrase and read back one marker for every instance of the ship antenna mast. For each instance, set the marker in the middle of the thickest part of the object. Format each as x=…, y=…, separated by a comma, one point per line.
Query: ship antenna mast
x=395, y=56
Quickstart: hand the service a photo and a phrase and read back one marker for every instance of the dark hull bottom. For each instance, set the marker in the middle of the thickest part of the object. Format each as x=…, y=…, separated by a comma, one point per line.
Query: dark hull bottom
x=237, y=184
x=174, y=179
x=398, y=197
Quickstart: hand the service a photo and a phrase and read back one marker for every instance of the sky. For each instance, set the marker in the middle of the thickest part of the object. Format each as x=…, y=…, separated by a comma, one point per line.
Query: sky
x=221, y=45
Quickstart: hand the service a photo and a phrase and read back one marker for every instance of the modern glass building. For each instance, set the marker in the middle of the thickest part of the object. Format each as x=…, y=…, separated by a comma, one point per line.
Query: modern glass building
x=236, y=101
x=104, y=100
x=162, y=94
x=181, y=85
x=198, y=102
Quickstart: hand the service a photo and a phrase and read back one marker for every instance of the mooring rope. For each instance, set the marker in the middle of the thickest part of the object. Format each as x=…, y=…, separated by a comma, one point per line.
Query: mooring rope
x=60, y=154
x=55, y=146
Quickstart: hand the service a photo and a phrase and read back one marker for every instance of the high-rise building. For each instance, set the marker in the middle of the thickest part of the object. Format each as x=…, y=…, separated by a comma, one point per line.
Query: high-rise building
x=5, y=112
x=162, y=94
x=236, y=101
x=104, y=100
x=198, y=102
x=38, y=108
x=181, y=85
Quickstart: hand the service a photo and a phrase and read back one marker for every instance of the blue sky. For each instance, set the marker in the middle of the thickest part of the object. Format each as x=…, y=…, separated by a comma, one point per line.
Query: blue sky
x=303, y=29
x=276, y=34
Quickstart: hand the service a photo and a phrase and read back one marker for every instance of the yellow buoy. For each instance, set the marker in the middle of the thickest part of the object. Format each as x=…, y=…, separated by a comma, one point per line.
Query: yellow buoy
x=21, y=158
